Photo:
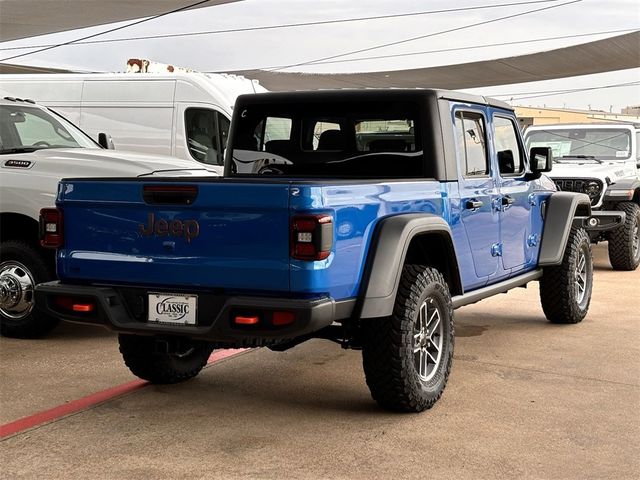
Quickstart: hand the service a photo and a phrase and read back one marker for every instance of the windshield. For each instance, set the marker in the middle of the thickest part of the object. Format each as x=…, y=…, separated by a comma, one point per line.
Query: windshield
x=580, y=143
x=341, y=140
x=26, y=128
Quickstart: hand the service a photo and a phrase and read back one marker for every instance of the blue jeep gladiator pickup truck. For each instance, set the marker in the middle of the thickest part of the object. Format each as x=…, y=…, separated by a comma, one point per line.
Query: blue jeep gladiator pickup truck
x=364, y=217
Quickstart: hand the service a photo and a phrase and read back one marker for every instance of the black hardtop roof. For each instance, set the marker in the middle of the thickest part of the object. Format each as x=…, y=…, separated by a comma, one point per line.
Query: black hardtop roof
x=372, y=94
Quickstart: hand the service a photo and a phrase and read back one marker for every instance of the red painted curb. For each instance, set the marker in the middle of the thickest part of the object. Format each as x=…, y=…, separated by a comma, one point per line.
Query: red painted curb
x=84, y=403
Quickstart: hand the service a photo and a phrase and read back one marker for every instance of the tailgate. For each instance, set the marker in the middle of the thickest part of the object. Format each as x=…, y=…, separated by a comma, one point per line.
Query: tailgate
x=176, y=234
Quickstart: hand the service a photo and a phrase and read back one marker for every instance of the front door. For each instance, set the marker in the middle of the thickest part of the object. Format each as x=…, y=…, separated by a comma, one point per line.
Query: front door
x=516, y=201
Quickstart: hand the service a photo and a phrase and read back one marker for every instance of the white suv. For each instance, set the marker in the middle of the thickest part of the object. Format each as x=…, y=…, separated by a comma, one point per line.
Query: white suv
x=601, y=160
x=37, y=149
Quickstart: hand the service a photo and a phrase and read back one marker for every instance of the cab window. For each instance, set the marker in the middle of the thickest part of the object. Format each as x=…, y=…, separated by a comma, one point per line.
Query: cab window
x=471, y=143
x=507, y=146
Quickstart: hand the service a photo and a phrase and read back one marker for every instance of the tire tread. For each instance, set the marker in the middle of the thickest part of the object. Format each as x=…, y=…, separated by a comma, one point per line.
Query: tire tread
x=385, y=361
x=556, y=295
x=620, y=250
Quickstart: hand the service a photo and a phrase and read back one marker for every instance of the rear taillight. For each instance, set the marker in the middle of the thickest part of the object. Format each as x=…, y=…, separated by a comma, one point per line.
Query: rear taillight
x=51, y=235
x=311, y=236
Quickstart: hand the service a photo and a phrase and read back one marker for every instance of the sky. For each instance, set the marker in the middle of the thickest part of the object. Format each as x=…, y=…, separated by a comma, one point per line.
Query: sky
x=285, y=46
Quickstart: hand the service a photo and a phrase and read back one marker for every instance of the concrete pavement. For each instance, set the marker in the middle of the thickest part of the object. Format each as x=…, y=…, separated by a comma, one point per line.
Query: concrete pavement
x=526, y=399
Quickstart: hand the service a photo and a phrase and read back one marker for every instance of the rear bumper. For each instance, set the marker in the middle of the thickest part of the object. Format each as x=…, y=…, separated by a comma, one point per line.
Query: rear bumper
x=124, y=310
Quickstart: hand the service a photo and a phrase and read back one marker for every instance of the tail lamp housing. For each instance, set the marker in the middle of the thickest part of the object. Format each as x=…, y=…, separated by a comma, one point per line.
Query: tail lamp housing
x=311, y=236
x=51, y=232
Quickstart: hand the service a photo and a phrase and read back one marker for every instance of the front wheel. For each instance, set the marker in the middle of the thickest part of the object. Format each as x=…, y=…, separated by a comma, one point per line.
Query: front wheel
x=407, y=356
x=624, y=241
x=565, y=290
x=164, y=359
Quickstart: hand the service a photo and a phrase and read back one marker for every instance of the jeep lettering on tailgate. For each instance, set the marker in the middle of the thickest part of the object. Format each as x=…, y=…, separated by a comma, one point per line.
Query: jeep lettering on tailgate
x=189, y=229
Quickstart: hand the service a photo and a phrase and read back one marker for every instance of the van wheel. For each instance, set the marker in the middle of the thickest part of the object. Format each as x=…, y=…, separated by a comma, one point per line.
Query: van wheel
x=22, y=267
x=624, y=241
x=164, y=359
x=565, y=290
x=407, y=356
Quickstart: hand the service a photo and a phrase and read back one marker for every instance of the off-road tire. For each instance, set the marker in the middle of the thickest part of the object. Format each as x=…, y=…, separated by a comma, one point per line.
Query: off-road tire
x=388, y=354
x=624, y=251
x=35, y=324
x=560, y=285
x=146, y=360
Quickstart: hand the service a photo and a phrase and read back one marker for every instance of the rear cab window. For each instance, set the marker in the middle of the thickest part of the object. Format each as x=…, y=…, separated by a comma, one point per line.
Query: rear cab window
x=330, y=140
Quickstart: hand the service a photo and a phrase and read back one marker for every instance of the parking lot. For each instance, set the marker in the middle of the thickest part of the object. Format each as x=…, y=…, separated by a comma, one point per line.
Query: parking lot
x=525, y=398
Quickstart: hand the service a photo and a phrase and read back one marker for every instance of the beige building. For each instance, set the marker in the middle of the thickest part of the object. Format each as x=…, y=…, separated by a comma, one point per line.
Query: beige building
x=545, y=116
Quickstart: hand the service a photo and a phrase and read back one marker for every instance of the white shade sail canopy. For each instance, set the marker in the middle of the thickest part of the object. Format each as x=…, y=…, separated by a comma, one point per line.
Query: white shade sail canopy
x=29, y=18
x=611, y=54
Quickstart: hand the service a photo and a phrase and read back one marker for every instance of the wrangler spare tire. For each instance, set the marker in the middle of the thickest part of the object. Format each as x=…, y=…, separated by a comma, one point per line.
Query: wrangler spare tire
x=164, y=359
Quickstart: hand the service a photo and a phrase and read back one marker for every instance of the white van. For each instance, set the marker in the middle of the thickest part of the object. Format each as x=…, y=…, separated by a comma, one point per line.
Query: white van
x=185, y=115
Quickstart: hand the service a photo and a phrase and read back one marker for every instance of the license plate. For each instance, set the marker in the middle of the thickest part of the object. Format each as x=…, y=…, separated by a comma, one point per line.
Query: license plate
x=173, y=308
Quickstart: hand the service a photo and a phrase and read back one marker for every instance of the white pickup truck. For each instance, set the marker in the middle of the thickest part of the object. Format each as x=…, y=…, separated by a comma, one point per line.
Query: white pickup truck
x=602, y=161
x=37, y=149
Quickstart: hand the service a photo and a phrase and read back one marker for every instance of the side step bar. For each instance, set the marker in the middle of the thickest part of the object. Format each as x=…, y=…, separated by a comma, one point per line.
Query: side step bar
x=489, y=291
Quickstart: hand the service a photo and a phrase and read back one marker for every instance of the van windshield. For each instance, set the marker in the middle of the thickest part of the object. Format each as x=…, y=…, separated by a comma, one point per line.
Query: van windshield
x=345, y=140
x=25, y=129
x=583, y=143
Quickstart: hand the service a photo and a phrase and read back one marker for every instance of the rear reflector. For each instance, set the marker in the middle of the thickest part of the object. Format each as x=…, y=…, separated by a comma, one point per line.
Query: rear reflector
x=51, y=234
x=311, y=236
x=80, y=305
x=282, y=318
x=240, y=320
x=83, y=307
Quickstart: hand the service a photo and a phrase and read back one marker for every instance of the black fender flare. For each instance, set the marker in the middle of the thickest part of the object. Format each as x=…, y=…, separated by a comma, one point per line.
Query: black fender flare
x=560, y=209
x=386, y=258
x=620, y=191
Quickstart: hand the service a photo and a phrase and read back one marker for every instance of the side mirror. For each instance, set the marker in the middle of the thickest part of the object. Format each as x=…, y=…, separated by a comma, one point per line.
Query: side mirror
x=540, y=160
x=105, y=141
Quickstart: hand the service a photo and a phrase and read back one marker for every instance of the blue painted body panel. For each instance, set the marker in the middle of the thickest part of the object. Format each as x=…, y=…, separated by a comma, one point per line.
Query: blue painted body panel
x=243, y=242
x=357, y=209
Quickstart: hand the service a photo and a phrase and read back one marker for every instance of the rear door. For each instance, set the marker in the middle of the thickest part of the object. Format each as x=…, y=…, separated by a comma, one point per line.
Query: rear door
x=218, y=234
x=478, y=192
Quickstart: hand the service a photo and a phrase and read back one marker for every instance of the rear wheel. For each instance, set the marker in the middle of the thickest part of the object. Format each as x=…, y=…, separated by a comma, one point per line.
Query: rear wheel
x=624, y=242
x=407, y=356
x=164, y=359
x=565, y=290
x=22, y=267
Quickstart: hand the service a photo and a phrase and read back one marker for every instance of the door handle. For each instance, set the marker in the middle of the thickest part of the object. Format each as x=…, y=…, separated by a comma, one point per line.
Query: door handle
x=473, y=204
x=507, y=200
